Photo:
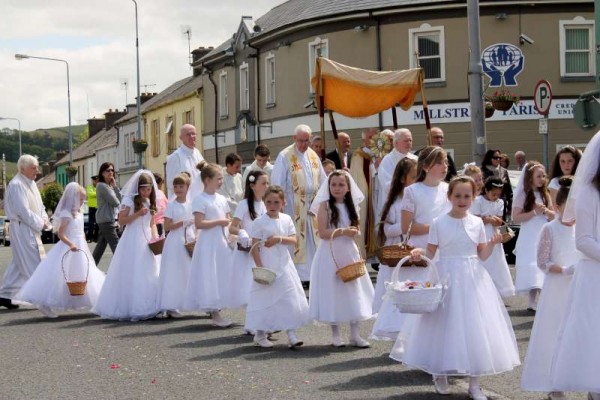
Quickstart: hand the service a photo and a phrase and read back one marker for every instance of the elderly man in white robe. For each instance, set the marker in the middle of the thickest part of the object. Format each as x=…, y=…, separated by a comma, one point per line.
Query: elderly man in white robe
x=402, y=146
x=185, y=159
x=27, y=215
x=299, y=172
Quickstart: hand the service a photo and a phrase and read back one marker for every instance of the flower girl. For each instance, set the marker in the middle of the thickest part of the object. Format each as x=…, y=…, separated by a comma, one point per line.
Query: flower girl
x=130, y=292
x=333, y=301
x=490, y=207
x=389, y=320
x=531, y=209
x=249, y=209
x=176, y=262
x=210, y=285
x=68, y=259
x=556, y=256
x=470, y=333
x=282, y=304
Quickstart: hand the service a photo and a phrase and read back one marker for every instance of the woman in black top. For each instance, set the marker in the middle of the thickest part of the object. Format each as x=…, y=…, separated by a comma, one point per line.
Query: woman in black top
x=490, y=166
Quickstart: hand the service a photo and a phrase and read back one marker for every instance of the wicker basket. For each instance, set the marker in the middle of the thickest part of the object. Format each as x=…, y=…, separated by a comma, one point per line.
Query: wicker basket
x=157, y=246
x=506, y=232
x=349, y=272
x=262, y=275
x=502, y=105
x=390, y=255
x=418, y=300
x=76, y=288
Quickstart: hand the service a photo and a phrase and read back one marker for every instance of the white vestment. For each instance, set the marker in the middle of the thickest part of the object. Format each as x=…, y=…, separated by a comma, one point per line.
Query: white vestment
x=281, y=176
x=385, y=173
x=255, y=167
x=27, y=215
x=232, y=189
x=184, y=159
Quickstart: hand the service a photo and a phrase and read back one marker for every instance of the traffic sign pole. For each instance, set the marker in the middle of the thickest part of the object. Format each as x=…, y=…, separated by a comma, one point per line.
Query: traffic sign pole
x=542, y=99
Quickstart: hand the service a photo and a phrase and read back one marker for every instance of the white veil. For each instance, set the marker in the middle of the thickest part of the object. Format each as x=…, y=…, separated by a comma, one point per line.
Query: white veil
x=586, y=171
x=323, y=194
x=68, y=206
x=130, y=190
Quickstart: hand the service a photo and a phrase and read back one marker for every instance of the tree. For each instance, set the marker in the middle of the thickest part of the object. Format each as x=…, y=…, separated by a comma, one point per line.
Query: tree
x=51, y=194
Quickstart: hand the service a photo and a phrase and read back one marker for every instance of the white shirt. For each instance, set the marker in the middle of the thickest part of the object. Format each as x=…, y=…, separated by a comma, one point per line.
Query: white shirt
x=255, y=167
x=184, y=159
x=385, y=173
x=232, y=189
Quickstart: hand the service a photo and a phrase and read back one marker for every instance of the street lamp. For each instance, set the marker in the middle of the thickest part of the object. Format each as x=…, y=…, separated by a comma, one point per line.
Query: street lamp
x=139, y=101
x=23, y=56
x=16, y=119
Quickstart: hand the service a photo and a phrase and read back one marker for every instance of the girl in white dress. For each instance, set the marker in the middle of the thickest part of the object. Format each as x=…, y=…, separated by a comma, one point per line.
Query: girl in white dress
x=282, y=304
x=211, y=278
x=575, y=365
x=333, y=301
x=557, y=257
x=532, y=209
x=46, y=288
x=490, y=207
x=470, y=333
x=249, y=209
x=565, y=164
x=130, y=292
x=474, y=172
x=389, y=319
x=176, y=263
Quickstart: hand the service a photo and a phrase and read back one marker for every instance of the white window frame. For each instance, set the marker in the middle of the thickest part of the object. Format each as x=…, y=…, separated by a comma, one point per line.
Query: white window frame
x=312, y=57
x=244, y=87
x=223, y=98
x=581, y=23
x=270, y=82
x=413, y=45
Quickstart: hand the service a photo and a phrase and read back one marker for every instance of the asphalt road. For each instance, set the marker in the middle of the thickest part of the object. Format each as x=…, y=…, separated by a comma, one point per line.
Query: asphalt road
x=80, y=356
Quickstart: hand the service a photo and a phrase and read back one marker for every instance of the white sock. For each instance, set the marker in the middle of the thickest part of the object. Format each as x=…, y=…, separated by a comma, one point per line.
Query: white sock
x=474, y=382
x=354, y=330
x=216, y=315
x=335, y=331
x=292, y=334
x=533, y=293
x=260, y=335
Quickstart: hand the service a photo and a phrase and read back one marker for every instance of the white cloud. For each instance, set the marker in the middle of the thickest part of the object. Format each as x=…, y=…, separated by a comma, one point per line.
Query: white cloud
x=97, y=38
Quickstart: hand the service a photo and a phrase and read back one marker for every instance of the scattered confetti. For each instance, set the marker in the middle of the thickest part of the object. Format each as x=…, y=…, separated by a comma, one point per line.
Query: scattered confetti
x=114, y=366
x=153, y=381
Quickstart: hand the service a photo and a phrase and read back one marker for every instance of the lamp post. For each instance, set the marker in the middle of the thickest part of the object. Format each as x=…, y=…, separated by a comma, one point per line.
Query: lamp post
x=24, y=56
x=139, y=101
x=16, y=119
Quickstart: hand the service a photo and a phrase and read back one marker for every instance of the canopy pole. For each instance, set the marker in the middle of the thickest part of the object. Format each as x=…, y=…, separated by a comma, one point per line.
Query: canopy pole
x=322, y=121
x=395, y=117
x=426, y=114
x=335, y=133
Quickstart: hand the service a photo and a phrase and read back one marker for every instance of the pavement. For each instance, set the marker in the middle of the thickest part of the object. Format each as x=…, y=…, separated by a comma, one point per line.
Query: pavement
x=79, y=355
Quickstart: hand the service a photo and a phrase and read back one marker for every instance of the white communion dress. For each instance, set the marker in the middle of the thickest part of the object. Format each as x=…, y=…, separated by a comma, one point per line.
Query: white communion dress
x=282, y=304
x=470, y=333
x=242, y=260
x=332, y=300
x=576, y=362
x=130, y=291
x=176, y=263
x=556, y=246
x=496, y=264
x=210, y=285
x=529, y=276
x=47, y=286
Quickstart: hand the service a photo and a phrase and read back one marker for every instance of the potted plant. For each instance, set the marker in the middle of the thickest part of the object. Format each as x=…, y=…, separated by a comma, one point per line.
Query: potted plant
x=139, y=145
x=71, y=170
x=489, y=109
x=503, y=99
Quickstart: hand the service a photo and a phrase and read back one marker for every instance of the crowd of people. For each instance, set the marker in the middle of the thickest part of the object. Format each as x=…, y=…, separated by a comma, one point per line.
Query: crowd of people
x=304, y=217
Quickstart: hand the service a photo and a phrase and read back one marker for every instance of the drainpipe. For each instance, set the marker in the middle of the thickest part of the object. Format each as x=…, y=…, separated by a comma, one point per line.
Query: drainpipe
x=210, y=78
x=257, y=102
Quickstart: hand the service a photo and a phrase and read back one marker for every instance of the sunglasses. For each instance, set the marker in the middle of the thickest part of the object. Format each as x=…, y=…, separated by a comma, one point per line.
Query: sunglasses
x=109, y=170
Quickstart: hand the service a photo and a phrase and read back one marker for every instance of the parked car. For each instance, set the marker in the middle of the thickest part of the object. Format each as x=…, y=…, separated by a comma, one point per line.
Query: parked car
x=6, y=232
x=2, y=220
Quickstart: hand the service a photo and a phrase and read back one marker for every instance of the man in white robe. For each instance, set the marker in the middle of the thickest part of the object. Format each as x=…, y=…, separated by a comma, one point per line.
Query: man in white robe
x=232, y=188
x=27, y=215
x=402, y=146
x=299, y=172
x=185, y=159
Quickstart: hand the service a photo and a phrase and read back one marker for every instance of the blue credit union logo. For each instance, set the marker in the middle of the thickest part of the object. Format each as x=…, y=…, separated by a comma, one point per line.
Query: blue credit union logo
x=502, y=62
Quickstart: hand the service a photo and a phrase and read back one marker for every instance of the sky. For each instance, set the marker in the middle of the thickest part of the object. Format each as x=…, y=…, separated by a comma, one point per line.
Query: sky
x=97, y=39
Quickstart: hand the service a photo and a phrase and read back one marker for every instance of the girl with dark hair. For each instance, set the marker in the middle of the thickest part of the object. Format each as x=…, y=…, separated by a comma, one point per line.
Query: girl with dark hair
x=108, y=198
x=491, y=167
x=333, y=301
x=565, y=163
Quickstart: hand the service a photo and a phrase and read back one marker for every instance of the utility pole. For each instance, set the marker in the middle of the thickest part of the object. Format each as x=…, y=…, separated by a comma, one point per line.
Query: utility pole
x=475, y=82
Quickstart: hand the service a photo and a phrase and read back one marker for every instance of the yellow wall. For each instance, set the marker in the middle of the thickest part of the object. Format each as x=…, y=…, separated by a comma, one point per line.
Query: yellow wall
x=175, y=108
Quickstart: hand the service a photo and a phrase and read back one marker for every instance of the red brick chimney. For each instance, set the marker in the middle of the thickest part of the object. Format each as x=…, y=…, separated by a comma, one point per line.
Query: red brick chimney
x=95, y=125
x=111, y=117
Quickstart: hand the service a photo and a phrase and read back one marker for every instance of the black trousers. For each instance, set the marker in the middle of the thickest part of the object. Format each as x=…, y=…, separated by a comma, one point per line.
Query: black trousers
x=107, y=234
x=92, y=233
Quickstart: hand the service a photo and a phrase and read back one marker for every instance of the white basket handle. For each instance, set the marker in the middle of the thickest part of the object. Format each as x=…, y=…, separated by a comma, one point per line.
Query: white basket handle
x=429, y=262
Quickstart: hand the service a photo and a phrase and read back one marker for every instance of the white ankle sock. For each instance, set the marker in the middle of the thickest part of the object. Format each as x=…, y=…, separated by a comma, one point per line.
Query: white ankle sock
x=335, y=331
x=354, y=330
x=474, y=382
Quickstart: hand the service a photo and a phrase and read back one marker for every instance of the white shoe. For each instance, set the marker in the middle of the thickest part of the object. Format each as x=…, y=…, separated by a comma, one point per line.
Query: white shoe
x=293, y=341
x=221, y=322
x=477, y=394
x=174, y=314
x=47, y=311
x=337, y=342
x=441, y=384
x=556, y=396
x=263, y=342
x=249, y=332
x=359, y=342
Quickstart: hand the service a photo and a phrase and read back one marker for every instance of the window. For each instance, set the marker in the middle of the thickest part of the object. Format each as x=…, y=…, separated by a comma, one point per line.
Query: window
x=426, y=48
x=244, y=87
x=155, y=138
x=188, y=117
x=318, y=48
x=576, y=48
x=223, y=103
x=170, y=132
x=270, y=78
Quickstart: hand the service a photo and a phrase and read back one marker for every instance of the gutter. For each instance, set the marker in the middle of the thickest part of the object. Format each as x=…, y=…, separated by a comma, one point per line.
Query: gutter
x=211, y=79
x=257, y=113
